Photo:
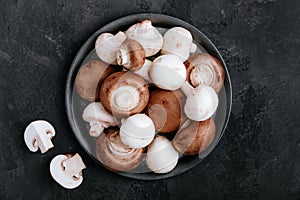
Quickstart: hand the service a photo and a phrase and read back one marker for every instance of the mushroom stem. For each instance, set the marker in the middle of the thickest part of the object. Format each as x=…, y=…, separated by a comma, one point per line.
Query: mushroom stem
x=74, y=165
x=187, y=89
x=96, y=128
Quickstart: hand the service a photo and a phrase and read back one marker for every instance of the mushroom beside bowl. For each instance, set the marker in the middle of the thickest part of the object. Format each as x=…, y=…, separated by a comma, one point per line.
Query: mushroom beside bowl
x=75, y=105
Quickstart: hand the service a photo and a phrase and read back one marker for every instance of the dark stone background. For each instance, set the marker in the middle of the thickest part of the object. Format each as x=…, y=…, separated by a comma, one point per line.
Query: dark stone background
x=257, y=158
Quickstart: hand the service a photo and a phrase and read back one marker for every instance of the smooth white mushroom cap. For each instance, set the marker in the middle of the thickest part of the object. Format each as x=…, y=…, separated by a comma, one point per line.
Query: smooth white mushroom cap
x=38, y=135
x=178, y=41
x=144, y=70
x=98, y=118
x=137, y=131
x=147, y=35
x=201, y=102
x=67, y=170
x=168, y=72
x=107, y=46
x=161, y=155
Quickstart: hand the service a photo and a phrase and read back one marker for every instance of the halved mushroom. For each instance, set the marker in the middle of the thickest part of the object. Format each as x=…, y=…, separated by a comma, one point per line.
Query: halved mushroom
x=131, y=55
x=98, y=118
x=147, y=35
x=90, y=77
x=178, y=41
x=161, y=157
x=38, y=135
x=205, y=69
x=195, y=138
x=168, y=72
x=124, y=94
x=165, y=108
x=137, y=131
x=107, y=45
x=114, y=155
x=201, y=102
x=67, y=170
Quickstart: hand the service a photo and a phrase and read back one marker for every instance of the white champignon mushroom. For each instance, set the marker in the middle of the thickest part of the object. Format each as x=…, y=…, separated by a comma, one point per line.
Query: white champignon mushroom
x=178, y=41
x=201, y=102
x=144, y=70
x=137, y=131
x=98, y=118
x=38, y=135
x=107, y=46
x=161, y=157
x=67, y=170
x=168, y=72
x=147, y=35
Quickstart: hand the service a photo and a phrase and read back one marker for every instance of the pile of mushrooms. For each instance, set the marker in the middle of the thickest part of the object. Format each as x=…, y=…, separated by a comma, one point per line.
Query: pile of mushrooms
x=146, y=86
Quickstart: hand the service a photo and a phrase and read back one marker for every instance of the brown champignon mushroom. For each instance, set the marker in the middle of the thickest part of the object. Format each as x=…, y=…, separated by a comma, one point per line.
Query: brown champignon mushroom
x=124, y=94
x=90, y=77
x=131, y=55
x=165, y=108
x=195, y=138
x=114, y=155
x=205, y=68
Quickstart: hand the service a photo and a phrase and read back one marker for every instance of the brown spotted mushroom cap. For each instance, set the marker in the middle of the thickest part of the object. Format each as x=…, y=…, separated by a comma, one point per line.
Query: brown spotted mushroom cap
x=114, y=155
x=165, y=108
x=124, y=94
x=90, y=77
x=195, y=138
x=205, y=68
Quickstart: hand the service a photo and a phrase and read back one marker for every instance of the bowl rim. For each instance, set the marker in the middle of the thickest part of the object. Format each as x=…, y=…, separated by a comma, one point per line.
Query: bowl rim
x=128, y=21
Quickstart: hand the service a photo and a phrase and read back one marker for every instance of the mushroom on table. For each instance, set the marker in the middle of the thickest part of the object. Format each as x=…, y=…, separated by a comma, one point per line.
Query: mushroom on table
x=38, y=135
x=67, y=170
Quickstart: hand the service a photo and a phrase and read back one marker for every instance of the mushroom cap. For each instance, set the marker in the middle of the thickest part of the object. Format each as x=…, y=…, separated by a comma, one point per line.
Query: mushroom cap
x=131, y=55
x=161, y=157
x=124, y=94
x=147, y=35
x=67, y=170
x=178, y=41
x=201, y=104
x=168, y=72
x=165, y=108
x=38, y=135
x=204, y=68
x=195, y=138
x=114, y=155
x=90, y=77
x=107, y=45
x=137, y=131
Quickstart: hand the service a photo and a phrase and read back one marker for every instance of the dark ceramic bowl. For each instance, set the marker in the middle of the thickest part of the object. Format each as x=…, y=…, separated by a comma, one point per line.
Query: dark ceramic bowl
x=75, y=105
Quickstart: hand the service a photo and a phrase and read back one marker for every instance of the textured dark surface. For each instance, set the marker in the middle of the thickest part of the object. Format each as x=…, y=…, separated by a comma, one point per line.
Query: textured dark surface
x=257, y=158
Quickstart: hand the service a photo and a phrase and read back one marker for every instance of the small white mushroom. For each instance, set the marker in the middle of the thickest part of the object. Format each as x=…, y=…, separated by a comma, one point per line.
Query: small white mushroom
x=137, y=131
x=107, y=45
x=178, y=41
x=144, y=70
x=67, y=170
x=98, y=118
x=201, y=102
x=38, y=135
x=161, y=157
x=168, y=72
x=147, y=35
